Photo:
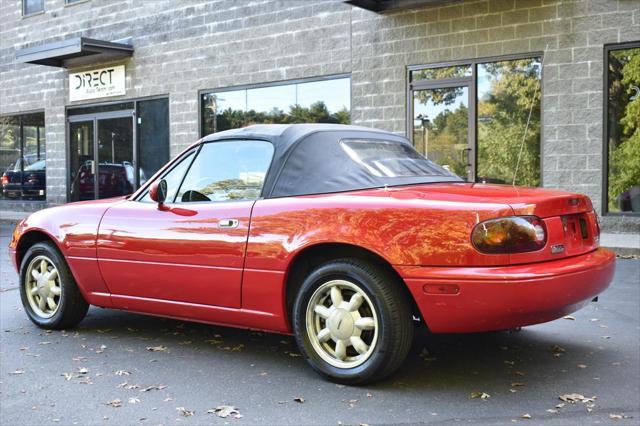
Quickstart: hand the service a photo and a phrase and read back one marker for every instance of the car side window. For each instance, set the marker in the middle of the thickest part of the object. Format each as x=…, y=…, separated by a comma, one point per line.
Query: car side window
x=227, y=170
x=173, y=177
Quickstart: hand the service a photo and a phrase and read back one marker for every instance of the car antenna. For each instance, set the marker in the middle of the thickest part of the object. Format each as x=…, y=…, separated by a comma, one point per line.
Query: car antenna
x=526, y=128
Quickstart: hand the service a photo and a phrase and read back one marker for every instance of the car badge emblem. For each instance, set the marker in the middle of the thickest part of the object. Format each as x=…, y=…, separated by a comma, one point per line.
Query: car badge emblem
x=558, y=248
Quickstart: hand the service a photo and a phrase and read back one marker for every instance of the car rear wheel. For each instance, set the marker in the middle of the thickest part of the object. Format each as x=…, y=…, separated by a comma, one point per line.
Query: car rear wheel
x=352, y=321
x=48, y=291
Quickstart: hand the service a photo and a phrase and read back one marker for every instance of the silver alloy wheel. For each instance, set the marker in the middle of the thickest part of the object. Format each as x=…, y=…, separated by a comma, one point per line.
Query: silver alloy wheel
x=42, y=286
x=342, y=324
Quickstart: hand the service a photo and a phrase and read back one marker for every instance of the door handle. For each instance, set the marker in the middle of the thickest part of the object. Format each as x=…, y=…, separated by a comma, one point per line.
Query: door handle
x=228, y=223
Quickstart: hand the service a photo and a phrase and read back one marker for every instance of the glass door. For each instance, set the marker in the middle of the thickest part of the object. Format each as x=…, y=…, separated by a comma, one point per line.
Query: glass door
x=81, y=165
x=115, y=163
x=102, y=155
x=441, y=127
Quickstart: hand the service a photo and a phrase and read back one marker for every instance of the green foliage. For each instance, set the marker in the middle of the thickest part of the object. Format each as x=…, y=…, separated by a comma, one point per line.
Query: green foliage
x=503, y=113
x=624, y=123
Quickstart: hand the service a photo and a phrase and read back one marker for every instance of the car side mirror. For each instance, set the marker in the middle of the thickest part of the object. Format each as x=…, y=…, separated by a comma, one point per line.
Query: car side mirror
x=158, y=191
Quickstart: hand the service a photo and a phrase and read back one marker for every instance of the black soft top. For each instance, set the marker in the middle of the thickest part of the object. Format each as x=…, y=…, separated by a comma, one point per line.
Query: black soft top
x=308, y=159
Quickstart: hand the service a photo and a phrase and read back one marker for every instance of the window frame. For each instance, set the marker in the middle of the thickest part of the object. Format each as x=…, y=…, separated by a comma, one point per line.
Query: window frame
x=268, y=84
x=24, y=9
x=472, y=83
x=607, y=49
x=197, y=150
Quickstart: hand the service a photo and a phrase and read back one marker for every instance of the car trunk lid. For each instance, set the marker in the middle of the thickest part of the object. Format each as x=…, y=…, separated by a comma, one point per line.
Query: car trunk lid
x=571, y=224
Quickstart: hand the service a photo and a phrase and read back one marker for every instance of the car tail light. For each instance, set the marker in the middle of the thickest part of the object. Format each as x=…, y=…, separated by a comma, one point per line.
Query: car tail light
x=5, y=180
x=513, y=234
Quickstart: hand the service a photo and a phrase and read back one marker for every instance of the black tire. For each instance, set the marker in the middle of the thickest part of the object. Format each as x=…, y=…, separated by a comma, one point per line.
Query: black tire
x=72, y=307
x=395, y=326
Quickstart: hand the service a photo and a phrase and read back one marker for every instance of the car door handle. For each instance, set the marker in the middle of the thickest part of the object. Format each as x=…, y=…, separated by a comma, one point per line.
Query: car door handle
x=228, y=223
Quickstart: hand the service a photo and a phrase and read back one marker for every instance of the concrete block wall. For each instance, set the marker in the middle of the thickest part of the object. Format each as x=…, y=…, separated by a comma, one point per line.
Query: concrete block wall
x=183, y=47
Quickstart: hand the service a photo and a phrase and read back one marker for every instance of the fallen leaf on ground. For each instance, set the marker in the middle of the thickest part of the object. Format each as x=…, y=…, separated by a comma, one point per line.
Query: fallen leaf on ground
x=569, y=317
x=153, y=387
x=122, y=373
x=133, y=400
x=481, y=395
x=115, y=403
x=67, y=376
x=103, y=330
x=552, y=410
x=526, y=416
x=581, y=366
x=185, y=412
x=517, y=384
x=160, y=348
x=299, y=399
x=225, y=411
x=83, y=370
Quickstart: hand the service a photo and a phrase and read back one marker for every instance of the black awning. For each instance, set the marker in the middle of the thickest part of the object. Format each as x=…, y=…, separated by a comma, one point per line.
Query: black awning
x=74, y=52
x=380, y=6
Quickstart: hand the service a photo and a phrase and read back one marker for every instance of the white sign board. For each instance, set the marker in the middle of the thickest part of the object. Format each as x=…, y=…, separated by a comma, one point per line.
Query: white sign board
x=98, y=83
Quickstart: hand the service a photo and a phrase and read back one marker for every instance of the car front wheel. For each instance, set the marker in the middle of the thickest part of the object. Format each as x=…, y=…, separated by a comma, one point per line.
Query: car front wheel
x=48, y=291
x=352, y=321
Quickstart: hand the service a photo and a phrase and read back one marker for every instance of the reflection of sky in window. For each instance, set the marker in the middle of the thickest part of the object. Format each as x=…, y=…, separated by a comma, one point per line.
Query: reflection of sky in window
x=265, y=99
x=336, y=94
x=235, y=99
x=431, y=110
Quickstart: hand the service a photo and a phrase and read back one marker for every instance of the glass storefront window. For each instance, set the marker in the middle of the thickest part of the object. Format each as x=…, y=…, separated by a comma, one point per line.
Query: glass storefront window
x=623, y=129
x=494, y=138
x=509, y=100
x=22, y=157
x=442, y=73
x=320, y=101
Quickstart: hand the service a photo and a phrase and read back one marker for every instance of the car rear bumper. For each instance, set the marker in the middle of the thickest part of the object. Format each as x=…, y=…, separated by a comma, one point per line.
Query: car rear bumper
x=473, y=299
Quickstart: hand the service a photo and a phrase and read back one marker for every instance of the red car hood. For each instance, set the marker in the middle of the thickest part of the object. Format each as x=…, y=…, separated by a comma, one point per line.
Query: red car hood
x=524, y=201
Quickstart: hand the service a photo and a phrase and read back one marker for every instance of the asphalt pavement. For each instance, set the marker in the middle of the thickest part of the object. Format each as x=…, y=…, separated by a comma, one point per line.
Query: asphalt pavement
x=119, y=368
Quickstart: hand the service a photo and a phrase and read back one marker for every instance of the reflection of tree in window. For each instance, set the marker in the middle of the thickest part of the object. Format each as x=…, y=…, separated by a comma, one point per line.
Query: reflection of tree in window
x=624, y=130
x=324, y=101
x=506, y=91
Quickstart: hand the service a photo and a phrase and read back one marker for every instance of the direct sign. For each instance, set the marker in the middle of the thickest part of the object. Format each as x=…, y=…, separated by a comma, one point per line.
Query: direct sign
x=98, y=83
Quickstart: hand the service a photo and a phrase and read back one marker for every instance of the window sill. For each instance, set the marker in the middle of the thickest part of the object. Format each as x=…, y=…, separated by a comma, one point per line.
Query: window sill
x=31, y=15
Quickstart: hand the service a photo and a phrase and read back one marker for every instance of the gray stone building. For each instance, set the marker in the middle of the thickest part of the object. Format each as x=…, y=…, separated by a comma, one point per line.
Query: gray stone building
x=537, y=92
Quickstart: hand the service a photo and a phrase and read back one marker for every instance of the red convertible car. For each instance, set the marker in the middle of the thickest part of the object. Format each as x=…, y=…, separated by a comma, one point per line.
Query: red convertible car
x=340, y=235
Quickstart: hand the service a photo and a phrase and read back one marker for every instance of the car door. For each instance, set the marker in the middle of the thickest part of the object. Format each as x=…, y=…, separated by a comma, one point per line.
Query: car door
x=192, y=248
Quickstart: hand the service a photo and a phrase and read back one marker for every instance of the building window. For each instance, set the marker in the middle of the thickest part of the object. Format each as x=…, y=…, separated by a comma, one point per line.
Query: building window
x=30, y=7
x=480, y=119
x=622, y=129
x=22, y=157
x=69, y=2
x=325, y=100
